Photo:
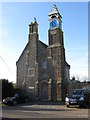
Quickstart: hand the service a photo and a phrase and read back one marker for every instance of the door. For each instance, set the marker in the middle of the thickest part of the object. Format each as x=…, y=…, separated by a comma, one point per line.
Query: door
x=44, y=91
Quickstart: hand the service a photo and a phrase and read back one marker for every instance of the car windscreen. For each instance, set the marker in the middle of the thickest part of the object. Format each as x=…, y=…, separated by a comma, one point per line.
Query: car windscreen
x=78, y=92
x=16, y=95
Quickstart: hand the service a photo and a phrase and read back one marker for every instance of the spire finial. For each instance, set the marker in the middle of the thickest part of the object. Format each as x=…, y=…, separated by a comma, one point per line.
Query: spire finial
x=35, y=19
x=54, y=4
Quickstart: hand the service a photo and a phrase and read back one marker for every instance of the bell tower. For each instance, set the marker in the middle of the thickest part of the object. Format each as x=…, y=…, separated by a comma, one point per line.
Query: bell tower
x=33, y=30
x=55, y=27
x=56, y=54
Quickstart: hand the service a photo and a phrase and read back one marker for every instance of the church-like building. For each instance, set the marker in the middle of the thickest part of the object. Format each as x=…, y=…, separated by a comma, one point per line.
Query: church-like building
x=42, y=70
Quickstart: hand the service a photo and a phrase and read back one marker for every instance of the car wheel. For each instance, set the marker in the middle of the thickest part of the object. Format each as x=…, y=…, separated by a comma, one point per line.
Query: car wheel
x=14, y=102
x=67, y=106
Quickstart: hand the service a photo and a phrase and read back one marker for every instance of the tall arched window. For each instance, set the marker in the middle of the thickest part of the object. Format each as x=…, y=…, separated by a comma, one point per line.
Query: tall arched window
x=53, y=39
x=27, y=58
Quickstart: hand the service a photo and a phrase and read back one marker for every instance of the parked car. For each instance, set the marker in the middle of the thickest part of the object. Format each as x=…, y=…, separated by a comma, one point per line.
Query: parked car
x=79, y=97
x=16, y=99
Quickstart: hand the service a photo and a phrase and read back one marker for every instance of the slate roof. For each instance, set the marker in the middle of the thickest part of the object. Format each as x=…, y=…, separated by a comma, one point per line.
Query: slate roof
x=54, y=11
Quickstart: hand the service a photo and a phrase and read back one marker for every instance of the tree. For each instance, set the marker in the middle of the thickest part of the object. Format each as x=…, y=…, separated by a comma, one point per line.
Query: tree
x=7, y=88
x=73, y=77
x=84, y=78
x=78, y=77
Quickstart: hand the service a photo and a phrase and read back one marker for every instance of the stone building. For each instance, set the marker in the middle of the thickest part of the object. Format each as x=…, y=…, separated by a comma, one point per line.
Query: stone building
x=75, y=84
x=42, y=70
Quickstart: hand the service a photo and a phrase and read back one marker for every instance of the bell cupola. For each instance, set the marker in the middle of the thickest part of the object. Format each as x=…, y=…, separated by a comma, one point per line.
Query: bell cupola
x=33, y=30
x=55, y=19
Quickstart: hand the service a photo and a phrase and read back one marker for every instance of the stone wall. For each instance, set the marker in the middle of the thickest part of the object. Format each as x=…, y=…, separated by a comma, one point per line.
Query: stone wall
x=56, y=63
x=42, y=65
x=27, y=65
x=21, y=68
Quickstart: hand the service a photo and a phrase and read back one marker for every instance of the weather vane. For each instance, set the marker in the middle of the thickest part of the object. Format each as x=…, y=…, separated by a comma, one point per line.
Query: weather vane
x=35, y=18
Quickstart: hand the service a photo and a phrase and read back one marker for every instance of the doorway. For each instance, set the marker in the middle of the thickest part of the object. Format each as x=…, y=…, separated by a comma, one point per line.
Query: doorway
x=44, y=91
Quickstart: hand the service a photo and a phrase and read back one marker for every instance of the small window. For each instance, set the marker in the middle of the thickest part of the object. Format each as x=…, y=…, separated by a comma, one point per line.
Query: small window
x=34, y=28
x=31, y=72
x=31, y=29
x=53, y=16
x=54, y=53
x=53, y=38
x=44, y=64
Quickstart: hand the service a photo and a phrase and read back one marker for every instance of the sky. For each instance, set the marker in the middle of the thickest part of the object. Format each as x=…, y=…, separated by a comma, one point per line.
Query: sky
x=15, y=18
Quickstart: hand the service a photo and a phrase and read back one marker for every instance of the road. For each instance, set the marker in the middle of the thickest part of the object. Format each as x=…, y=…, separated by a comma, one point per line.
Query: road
x=43, y=110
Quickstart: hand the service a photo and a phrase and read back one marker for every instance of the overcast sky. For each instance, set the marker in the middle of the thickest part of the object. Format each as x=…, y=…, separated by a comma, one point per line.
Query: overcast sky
x=14, y=33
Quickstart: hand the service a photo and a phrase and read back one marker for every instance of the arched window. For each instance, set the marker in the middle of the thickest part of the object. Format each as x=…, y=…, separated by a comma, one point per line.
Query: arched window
x=44, y=63
x=53, y=39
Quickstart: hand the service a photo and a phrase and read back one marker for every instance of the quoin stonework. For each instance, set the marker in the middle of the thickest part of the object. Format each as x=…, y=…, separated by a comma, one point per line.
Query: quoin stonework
x=42, y=70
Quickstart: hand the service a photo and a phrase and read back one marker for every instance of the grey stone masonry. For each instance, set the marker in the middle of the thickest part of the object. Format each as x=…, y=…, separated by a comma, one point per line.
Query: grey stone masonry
x=56, y=57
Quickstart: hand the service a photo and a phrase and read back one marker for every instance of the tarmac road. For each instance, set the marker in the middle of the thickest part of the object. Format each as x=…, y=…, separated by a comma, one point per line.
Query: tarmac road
x=43, y=110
